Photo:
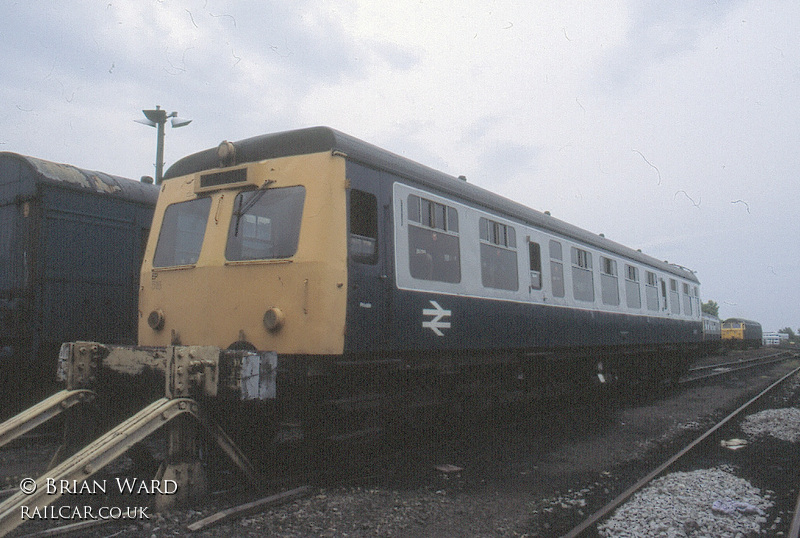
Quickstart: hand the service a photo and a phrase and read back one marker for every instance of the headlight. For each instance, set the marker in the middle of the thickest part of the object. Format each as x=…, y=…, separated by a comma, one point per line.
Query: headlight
x=156, y=320
x=273, y=319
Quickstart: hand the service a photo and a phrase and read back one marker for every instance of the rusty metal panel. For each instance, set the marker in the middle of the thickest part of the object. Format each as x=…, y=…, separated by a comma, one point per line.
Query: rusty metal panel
x=259, y=375
x=70, y=176
x=248, y=375
x=179, y=371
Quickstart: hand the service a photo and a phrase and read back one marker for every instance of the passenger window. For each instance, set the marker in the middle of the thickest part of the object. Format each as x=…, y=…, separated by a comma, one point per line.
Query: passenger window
x=651, y=291
x=433, y=243
x=687, y=300
x=413, y=208
x=582, y=277
x=265, y=224
x=674, y=298
x=609, y=285
x=498, y=255
x=182, y=230
x=556, y=269
x=535, y=254
x=363, y=227
x=633, y=295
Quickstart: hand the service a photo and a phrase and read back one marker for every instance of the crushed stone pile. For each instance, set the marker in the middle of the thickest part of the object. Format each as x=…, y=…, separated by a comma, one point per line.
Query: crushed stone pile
x=782, y=424
x=708, y=502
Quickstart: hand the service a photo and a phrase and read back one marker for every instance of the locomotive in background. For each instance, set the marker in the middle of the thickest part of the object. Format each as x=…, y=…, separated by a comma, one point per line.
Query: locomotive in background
x=738, y=333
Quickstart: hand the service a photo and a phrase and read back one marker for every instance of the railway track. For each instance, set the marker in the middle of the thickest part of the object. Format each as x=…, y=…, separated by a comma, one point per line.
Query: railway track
x=300, y=478
x=699, y=449
x=708, y=371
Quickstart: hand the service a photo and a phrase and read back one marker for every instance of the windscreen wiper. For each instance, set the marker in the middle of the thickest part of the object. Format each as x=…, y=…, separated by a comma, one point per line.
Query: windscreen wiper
x=243, y=209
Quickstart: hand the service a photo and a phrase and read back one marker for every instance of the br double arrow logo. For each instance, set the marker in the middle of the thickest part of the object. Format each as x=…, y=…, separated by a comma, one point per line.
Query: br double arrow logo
x=436, y=324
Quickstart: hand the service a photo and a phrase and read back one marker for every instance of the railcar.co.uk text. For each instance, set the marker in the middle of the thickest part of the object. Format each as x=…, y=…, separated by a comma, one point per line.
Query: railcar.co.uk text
x=130, y=486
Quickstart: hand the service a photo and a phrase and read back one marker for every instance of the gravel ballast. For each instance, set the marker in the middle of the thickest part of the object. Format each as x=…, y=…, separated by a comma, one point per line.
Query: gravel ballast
x=708, y=502
x=783, y=424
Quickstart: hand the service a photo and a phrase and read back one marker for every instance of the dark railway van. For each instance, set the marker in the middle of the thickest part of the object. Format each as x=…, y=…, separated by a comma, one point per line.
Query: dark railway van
x=71, y=244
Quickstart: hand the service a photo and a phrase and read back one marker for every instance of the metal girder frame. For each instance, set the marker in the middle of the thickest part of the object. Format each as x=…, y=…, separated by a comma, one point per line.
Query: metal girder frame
x=110, y=446
x=42, y=412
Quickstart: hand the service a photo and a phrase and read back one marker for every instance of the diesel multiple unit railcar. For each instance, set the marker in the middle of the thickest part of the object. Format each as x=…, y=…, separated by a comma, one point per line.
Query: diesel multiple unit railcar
x=308, y=285
x=741, y=333
x=71, y=245
x=346, y=263
x=358, y=272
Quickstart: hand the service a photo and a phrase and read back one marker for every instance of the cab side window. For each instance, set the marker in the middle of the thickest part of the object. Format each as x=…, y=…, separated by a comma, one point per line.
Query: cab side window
x=363, y=243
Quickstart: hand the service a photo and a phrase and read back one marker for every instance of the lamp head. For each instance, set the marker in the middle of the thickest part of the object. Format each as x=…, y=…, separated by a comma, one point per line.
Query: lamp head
x=156, y=116
x=179, y=122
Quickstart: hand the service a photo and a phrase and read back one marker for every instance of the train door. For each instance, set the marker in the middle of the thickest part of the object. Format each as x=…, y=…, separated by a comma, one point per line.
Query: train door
x=536, y=283
x=369, y=262
x=663, y=286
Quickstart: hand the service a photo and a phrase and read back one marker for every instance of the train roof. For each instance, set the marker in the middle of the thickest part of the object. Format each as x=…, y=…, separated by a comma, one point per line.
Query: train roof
x=742, y=320
x=319, y=139
x=68, y=176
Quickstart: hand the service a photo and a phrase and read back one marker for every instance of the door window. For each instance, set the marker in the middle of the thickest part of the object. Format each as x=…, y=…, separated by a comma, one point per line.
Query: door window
x=363, y=227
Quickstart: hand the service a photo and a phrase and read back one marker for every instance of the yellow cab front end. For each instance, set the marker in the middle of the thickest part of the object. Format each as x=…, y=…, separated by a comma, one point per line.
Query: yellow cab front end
x=732, y=331
x=250, y=257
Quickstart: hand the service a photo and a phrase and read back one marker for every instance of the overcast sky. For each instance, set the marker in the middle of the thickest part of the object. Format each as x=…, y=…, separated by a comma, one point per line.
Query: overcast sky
x=670, y=126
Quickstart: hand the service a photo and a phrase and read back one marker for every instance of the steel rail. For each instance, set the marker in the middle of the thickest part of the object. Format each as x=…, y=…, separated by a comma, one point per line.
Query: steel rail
x=744, y=365
x=622, y=497
x=737, y=363
x=249, y=508
x=794, y=528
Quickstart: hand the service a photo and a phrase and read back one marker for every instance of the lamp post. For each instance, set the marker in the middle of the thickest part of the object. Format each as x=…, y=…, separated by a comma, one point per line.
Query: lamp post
x=158, y=118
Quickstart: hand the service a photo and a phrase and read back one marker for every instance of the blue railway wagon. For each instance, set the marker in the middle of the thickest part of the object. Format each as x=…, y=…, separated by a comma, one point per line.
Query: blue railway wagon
x=71, y=243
